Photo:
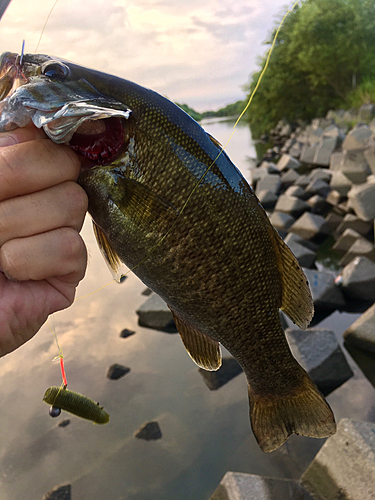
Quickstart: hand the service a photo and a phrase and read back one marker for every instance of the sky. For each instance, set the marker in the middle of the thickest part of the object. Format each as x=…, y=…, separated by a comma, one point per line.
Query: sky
x=197, y=52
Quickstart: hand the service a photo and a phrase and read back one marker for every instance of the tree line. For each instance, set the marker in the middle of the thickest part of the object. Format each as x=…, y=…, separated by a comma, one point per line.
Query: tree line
x=324, y=58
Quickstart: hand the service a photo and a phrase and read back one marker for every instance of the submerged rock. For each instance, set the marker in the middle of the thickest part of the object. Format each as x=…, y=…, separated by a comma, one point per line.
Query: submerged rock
x=150, y=431
x=318, y=351
x=216, y=379
x=117, y=371
x=125, y=333
x=344, y=468
x=154, y=313
x=241, y=486
x=59, y=493
x=326, y=295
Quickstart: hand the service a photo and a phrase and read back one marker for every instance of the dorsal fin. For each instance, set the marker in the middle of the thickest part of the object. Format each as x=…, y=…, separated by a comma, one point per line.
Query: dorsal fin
x=110, y=256
x=297, y=301
x=203, y=350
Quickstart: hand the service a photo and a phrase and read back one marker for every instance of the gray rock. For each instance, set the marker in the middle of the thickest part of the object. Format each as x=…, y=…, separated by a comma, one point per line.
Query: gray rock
x=287, y=162
x=294, y=238
x=314, y=133
x=362, y=200
x=256, y=174
x=288, y=178
x=320, y=173
x=336, y=160
x=359, y=279
x=357, y=138
x=326, y=147
x=150, y=431
x=318, y=205
x=354, y=222
x=308, y=153
x=270, y=182
x=296, y=191
x=366, y=112
x=318, y=186
x=146, y=292
x=361, y=333
x=154, y=313
x=371, y=125
x=355, y=167
x=241, y=486
x=370, y=157
x=334, y=220
x=117, y=371
x=267, y=199
x=360, y=247
x=291, y=205
x=311, y=226
x=318, y=351
x=325, y=293
x=304, y=255
x=302, y=181
x=344, y=468
x=295, y=150
x=346, y=240
x=59, y=493
x=334, y=198
x=335, y=131
x=339, y=182
x=281, y=221
x=216, y=379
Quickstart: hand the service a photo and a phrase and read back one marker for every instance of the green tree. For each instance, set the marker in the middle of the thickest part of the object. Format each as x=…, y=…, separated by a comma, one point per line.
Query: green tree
x=325, y=48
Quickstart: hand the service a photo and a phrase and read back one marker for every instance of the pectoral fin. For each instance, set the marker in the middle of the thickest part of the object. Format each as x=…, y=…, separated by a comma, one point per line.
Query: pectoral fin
x=112, y=259
x=139, y=202
x=203, y=350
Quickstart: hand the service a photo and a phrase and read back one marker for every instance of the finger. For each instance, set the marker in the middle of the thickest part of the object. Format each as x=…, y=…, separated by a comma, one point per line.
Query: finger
x=63, y=205
x=35, y=165
x=59, y=252
x=19, y=135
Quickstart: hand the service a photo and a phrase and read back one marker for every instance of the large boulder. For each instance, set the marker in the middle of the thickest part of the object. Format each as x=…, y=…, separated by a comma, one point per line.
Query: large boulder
x=361, y=333
x=340, y=182
x=325, y=293
x=287, y=162
x=311, y=226
x=270, y=182
x=359, y=279
x=357, y=138
x=355, y=166
x=354, y=222
x=344, y=468
x=362, y=200
x=291, y=205
x=319, y=353
x=154, y=313
x=241, y=486
x=325, y=148
x=281, y=221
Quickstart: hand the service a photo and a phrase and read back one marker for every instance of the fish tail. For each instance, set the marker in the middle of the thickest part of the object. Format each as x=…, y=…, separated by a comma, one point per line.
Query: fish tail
x=304, y=411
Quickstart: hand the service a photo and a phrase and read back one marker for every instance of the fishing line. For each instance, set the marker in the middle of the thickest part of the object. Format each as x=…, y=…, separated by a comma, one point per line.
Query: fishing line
x=45, y=24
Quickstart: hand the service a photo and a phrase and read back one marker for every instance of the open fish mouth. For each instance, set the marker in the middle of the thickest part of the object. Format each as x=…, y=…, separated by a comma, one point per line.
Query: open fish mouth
x=69, y=111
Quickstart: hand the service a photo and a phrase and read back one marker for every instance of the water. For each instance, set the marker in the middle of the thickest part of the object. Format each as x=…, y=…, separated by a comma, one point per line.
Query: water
x=205, y=433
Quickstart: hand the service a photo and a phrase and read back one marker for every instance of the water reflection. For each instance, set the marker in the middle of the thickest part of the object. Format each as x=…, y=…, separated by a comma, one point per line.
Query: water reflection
x=205, y=433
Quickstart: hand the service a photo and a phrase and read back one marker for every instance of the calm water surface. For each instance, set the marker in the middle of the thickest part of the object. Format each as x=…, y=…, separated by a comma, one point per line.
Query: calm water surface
x=205, y=433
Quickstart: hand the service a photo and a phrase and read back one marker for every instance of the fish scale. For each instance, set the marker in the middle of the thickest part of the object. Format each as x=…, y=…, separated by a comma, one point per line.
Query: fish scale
x=173, y=207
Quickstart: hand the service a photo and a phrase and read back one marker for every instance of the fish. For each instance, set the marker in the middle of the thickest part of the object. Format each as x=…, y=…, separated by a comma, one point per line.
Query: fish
x=75, y=403
x=167, y=201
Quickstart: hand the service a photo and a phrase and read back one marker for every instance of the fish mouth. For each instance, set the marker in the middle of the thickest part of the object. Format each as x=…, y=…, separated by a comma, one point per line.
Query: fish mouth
x=70, y=111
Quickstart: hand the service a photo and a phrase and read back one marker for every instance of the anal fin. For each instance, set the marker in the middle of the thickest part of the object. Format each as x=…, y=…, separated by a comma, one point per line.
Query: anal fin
x=203, y=350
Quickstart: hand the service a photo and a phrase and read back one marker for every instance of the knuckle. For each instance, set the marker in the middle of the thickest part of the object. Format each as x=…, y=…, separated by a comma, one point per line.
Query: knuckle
x=74, y=249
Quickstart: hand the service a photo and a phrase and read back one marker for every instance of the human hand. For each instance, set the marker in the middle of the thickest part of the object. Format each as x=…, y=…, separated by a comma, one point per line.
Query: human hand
x=42, y=255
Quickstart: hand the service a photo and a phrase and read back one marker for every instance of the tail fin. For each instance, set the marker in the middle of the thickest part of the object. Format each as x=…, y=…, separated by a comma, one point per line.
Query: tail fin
x=305, y=411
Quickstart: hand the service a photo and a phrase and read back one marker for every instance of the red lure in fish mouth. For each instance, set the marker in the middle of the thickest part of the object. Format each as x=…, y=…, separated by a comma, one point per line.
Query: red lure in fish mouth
x=99, y=140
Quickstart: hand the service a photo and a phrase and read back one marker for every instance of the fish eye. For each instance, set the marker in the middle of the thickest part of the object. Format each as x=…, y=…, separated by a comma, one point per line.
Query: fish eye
x=55, y=70
x=54, y=412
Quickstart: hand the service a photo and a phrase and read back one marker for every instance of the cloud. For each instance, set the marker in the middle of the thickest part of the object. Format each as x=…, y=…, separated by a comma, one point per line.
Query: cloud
x=196, y=52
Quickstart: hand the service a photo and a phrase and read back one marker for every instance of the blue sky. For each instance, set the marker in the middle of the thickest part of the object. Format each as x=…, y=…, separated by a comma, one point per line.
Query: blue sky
x=194, y=52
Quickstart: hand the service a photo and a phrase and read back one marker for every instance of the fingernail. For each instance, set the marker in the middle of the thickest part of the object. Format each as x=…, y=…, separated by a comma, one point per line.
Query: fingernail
x=7, y=140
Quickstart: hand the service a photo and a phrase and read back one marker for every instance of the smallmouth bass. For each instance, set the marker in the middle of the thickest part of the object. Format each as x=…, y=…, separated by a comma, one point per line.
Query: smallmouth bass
x=170, y=204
